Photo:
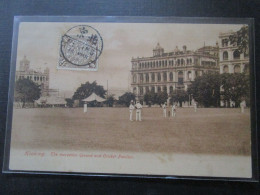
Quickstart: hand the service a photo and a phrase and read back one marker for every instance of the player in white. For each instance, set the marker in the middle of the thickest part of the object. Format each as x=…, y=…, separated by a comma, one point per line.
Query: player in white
x=195, y=106
x=85, y=107
x=164, y=109
x=242, y=106
x=138, y=107
x=131, y=108
x=173, y=110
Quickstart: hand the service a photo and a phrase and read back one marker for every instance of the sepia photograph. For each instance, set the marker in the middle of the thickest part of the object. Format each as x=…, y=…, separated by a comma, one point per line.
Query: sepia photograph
x=137, y=98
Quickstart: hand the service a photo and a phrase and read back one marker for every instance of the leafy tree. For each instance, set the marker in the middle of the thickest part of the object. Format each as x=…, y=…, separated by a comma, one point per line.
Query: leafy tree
x=206, y=90
x=126, y=98
x=110, y=100
x=161, y=97
x=179, y=96
x=26, y=91
x=241, y=38
x=150, y=97
x=70, y=102
x=85, y=90
x=235, y=87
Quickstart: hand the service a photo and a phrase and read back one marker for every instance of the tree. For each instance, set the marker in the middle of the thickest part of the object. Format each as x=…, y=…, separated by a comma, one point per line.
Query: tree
x=126, y=98
x=26, y=91
x=179, y=96
x=241, y=39
x=161, y=97
x=150, y=98
x=85, y=90
x=110, y=100
x=235, y=87
x=70, y=102
x=206, y=90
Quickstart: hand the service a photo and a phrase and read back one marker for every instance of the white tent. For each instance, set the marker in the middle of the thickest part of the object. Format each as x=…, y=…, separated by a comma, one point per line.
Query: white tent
x=94, y=97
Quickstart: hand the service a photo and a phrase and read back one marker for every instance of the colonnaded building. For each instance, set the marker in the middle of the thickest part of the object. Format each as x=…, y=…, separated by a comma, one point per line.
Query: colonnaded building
x=230, y=59
x=39, y=77
x=168, y=71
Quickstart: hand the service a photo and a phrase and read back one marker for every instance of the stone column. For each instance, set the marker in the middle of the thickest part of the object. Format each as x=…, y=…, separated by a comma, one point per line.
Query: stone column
x=155, y=77
x=144, y=90
x=221, y=69
x=137, y=90
x=192, y=75
x=168, y=89
x=230, y=68
x=150, y=77
x=168, y=76
x=155, y=89
x=242, y=67
x=161, y=76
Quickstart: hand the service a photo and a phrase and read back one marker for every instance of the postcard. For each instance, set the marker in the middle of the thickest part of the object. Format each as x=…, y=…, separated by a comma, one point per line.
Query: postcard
x=131, y=97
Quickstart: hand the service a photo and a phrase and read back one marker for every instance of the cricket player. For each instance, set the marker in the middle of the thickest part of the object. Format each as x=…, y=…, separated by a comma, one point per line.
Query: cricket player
x=164, y=109
x=131, y=108
x=138, y=107
x=242, y=106
x=195, y=106
x=85, y=107
x=173, y=110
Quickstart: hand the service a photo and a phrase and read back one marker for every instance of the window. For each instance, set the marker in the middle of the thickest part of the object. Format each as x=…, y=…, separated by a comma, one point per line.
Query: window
x=189, y=75
x=237, y=69
x=159, y=77
x=225, y=55
x=146, y=78
x=171, y=89
x=225, y=69
x=134, y=78
x=236, y=54
x=180, y=77
x=171, y=76
x=153, y=77
x=164, y=76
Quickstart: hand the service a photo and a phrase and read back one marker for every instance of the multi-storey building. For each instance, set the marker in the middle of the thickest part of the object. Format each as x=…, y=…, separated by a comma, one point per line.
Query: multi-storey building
x=230, y=59
x=173, y=70
x=39, y=77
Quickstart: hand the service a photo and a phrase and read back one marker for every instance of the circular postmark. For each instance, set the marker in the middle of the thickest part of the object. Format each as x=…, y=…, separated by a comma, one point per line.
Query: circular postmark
x=81, y=45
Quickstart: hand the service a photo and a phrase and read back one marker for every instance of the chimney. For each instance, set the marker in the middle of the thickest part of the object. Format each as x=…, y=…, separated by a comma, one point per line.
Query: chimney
x=184, y=48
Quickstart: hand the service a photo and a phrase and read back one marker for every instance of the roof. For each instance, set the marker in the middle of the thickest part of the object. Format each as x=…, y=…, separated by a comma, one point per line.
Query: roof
x=94, y=97
x=52, y=100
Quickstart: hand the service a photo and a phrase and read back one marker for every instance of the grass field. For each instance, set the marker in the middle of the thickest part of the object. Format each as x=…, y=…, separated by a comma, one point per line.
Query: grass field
x=209, y=131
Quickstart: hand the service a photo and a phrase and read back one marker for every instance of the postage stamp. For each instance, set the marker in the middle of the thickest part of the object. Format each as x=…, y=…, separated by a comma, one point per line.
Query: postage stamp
x=80, y=48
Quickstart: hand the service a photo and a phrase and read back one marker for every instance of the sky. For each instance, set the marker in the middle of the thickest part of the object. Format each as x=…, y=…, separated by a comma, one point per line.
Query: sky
x=40, y=43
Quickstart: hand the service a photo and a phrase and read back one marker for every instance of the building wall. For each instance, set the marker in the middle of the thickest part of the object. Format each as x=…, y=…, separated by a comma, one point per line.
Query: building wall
x=39, y=77
x=170, y=71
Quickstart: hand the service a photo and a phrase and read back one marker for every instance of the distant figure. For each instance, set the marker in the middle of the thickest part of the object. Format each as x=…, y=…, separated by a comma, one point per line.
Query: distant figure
x=131, y=108
x=242, y=106
x=138, y=107
x=164, y=109
x=195, y=106
x=85, y=107
x=173, y=110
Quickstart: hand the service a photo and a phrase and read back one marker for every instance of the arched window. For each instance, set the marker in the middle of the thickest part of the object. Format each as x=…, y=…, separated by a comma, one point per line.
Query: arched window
x=164, y=76
x=165, y=62
x=180, y=77
x=182, y=61
x=134, y=90
x=134, y=78
x=146, y=78
x=159, y=77
x=171, y=89
x=237, y=69
x=156, y=63
x=178, y=62
x=225, y=55
x=188, y=61
x=225, y=69
x=146, y=89
x=236, y=54
x=162, y=63
x=153, y=77
x=153, y=89
x=164, y=89
x=141, y=78
x=172, y=62
x=171, y=76
x=159, y=89
x=141, y=91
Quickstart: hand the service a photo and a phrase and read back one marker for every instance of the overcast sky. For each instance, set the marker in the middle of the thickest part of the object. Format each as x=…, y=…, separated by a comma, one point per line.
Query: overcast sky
x=122, y=41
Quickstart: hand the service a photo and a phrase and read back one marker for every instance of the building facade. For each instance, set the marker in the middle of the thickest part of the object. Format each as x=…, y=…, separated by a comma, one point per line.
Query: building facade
x=39, y=77
x=173, y=70
x=230, y=59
